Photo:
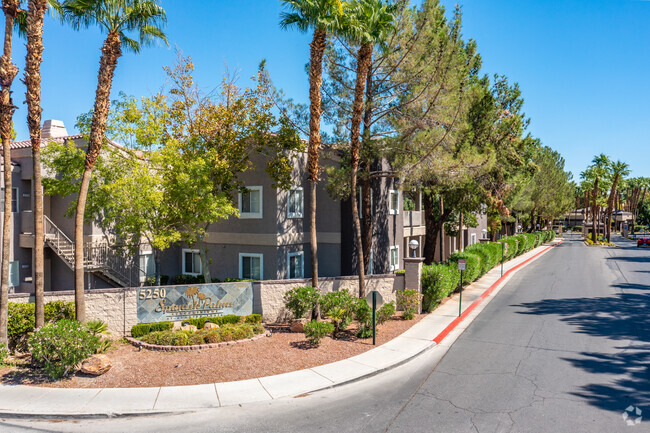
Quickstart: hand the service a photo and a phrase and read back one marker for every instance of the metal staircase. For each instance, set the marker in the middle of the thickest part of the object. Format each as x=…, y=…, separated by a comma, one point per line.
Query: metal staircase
x=99, y=258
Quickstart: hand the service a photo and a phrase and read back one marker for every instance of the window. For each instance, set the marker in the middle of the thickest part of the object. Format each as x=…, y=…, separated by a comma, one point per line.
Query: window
x=394, y=258
x=473, y=239
x=14, y=199
x=295, y=203
x=191, y=262
x=251, y=266
x=370, y=265
x=147, y=266
x=250, y=203
x=14, y=274
x=295, y=265
x=360, y=204
x=394, y=202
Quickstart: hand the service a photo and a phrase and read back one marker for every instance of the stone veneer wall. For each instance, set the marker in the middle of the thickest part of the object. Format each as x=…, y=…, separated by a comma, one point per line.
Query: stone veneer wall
x=268, y=296
x=118, y=307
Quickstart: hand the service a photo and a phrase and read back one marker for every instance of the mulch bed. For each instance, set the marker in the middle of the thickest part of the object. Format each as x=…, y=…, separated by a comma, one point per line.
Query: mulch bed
x=283, y=352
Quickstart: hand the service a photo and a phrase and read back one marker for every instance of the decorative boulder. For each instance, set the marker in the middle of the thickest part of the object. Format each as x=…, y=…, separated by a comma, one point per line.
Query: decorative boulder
x=210, y=325
x=96, y=365
x=298, y=325
x=191, y=328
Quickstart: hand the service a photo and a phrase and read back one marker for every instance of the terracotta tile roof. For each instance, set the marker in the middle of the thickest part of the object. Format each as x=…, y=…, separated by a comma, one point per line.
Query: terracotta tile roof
x=26, y=144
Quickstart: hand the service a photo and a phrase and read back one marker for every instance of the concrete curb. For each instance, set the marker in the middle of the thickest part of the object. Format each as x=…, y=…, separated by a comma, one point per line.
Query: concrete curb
x=432, y=343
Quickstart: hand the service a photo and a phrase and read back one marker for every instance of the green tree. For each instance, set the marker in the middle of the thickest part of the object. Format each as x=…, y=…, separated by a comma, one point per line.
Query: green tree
x=323, y=16
x=120, y=19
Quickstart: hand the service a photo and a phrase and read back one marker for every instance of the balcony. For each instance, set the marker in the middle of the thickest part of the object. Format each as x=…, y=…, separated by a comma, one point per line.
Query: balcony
x=413, y=218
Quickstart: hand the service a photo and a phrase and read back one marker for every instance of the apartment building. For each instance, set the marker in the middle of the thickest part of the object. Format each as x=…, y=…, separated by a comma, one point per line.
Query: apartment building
x=268, y=240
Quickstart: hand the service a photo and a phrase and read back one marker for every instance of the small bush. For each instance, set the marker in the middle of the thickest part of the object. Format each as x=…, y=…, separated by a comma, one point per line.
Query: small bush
x=182, y=279
x=231, y=319
x=151, y=281
x=4, y=353
x=438, y=282
x=301, y=300
x=385, y=312
x=409, y=301
x=213, y=336
x=196, y=338
x=253, y=318
x=339, y=307
x=61, y=346
x=138, y=331
x=363, y=313
x=315, y=331
x=21, y=321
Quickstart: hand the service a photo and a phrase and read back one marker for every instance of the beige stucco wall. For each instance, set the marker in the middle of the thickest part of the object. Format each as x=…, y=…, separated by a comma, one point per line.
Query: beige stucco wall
x=116, y=307
x=271, y=293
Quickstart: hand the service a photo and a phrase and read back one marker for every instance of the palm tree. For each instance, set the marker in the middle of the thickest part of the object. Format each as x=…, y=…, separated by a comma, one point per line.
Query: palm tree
x=119, y=19
x=324, y=17
x=619, y=169
x=368, y=23
x=34, y=32
x=8, y=71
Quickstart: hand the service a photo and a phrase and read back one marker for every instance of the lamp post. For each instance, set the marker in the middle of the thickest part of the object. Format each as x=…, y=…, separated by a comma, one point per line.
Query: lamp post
x=413, y=245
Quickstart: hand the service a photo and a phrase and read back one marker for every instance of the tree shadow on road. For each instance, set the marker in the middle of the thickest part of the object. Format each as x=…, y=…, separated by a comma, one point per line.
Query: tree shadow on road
x=620, y=317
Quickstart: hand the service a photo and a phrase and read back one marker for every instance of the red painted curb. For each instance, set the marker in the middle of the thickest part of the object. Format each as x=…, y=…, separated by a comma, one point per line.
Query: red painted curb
x=485, y=294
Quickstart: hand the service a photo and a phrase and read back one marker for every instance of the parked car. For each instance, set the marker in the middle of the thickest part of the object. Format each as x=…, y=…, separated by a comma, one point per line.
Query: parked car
x=643, y=242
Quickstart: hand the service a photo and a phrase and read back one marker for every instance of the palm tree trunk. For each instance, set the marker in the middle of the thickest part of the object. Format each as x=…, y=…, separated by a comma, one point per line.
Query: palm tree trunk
x=364, y=57
x=594, y=212
x=8, y=72
x=317, y=50
x=366, y=183
x=111, y=51
x=461, y=239
x=36, y=12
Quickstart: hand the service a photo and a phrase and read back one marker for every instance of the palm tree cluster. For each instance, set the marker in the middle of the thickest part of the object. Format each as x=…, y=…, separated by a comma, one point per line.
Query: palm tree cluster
x=128, y=24
x=601, y=193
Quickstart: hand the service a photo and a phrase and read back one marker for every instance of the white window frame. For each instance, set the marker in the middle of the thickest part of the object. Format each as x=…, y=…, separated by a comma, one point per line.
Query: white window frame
x=241, y=267
x=300, y=214
x=302, y=264
x=189, y=250
x=252, y=215
x=393, y=267
x=360, y=206
x=390, y=202
x=14, y=198
x=472, y=238
x=144, y=275
x=14, y=273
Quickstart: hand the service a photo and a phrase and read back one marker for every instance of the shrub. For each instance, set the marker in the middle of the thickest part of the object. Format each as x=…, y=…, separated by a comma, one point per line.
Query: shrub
x=21, y=321
x=315, y=331
x=97, y=327
x=151, y=281
x=385, y=312
x=511, y=247
x=138, y=331
x=363, y=313
x=339, y=307
x=438, y=282
x=180, y=338
x=472, y=265
x=196, y=338
x=182, y=279
x=61, y=346
x=4, y=353
x=231, y=319
x=489, y=253
x=301, y=300
x=409, y=301
x=253, y=318
x=213, y=336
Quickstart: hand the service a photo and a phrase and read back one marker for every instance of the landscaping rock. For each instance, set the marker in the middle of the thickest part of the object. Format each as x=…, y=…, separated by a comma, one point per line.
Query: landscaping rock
x=210, y=325
x=96, y=365
x=189, y=328
x=298, y=325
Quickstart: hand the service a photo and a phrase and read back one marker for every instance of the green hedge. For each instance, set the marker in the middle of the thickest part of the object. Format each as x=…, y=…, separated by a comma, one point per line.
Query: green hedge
x=21, y=321
x=438, y=282
x=472, y=265
x=138, y=331
x=230, y=319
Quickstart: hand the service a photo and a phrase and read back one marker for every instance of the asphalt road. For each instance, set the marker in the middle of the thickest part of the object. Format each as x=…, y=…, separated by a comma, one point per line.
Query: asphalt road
x=563, y=347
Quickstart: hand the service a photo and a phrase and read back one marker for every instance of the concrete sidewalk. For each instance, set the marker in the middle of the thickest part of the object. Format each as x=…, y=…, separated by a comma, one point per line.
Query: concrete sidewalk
x=442, y=325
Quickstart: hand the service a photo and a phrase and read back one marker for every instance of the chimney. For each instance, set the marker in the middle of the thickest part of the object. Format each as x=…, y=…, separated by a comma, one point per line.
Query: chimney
x=53, y=129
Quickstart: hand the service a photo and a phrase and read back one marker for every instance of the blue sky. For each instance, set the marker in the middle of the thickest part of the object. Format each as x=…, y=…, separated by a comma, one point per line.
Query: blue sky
x=582, y=65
